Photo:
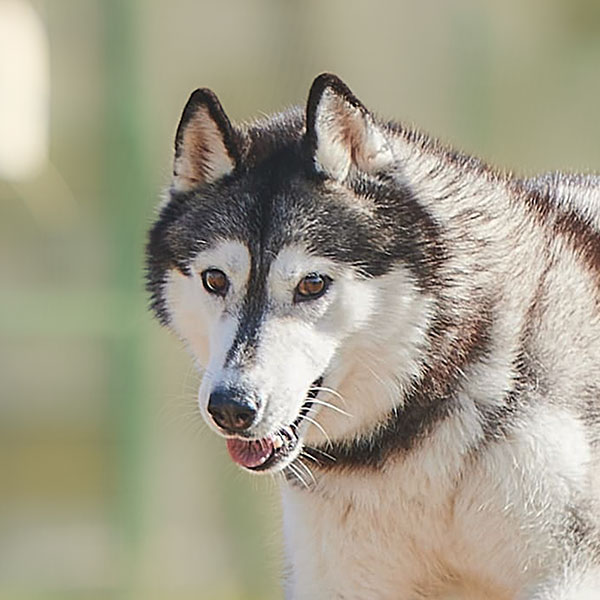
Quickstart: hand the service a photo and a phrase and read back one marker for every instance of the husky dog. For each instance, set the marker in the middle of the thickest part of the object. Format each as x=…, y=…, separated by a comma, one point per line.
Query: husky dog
x=410, y=336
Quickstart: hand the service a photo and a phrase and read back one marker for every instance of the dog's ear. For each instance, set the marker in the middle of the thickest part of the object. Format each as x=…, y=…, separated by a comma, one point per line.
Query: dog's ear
x=340, y=131
x=205, y=144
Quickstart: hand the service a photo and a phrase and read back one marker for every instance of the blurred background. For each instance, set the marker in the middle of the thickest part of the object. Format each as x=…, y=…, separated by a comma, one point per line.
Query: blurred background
x=109, y=487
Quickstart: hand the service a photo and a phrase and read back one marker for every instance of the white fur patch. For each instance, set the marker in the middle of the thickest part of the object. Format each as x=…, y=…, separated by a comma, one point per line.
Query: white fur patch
x=196, y=315
x=386, y=312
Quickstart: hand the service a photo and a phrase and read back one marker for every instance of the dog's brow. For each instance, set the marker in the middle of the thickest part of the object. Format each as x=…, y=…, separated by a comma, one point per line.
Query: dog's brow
x=231, y=255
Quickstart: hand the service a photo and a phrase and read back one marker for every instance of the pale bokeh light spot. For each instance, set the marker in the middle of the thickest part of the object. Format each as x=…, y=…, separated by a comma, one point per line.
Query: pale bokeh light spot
x=24, y=91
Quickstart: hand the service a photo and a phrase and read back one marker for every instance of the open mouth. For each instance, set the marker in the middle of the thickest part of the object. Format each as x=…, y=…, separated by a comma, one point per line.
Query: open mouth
x=265, y=453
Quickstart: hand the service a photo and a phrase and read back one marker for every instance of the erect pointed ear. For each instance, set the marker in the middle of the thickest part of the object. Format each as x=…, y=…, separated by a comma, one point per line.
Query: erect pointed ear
x=205, y=144
x=340, y=131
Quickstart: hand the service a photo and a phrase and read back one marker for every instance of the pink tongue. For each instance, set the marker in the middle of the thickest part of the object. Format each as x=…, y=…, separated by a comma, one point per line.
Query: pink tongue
x=250, y=454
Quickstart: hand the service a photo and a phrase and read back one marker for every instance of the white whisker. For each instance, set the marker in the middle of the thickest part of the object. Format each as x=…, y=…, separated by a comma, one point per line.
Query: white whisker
x=320, y=388
x=296, y=472
x=298, y=462
x=325, y=454
x=332, y=406
x=310, y=457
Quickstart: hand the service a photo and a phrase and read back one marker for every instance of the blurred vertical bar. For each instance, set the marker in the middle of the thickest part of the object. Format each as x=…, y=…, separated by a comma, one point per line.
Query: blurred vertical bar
x=471, y=29
x=125, y=194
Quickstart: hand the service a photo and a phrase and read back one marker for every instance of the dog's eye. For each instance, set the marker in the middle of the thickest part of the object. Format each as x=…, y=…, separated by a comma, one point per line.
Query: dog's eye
x=311, y=287
x=215, y=281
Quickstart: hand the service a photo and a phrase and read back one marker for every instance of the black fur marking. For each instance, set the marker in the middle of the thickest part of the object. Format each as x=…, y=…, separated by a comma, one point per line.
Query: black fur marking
x=407, y=232
x=529, y=382
x=578, y=530
x=401, y=433
x=244, y=345
x=590, y=412
x=498, y=422
x=163, y=252
x=564, y=222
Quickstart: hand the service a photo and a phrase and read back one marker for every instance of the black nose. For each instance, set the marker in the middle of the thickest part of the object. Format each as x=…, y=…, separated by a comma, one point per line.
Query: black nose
x=232, y=409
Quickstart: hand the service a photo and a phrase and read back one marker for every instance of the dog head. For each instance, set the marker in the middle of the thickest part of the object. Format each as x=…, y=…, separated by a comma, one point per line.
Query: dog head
x=276, y=259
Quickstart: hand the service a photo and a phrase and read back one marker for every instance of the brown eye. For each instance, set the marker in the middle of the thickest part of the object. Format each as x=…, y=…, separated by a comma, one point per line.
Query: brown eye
x=215, y=281
x=313, y=286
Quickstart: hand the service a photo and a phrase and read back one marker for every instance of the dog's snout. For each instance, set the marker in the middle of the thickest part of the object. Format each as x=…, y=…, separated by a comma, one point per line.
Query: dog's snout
x=232, y=409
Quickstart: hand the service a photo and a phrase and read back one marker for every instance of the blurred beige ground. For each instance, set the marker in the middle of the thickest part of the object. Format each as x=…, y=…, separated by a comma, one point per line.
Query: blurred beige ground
x=109, y=488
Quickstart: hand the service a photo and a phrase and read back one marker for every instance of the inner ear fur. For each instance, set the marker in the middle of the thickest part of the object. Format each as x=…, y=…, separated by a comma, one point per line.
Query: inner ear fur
x=205, y=143
x=340, y=131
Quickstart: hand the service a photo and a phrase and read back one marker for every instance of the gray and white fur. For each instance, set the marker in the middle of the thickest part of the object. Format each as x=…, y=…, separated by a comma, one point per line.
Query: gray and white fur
x=410, y=336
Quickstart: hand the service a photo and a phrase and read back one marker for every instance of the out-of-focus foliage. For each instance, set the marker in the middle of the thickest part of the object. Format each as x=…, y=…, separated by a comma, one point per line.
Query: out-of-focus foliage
x=108, y=487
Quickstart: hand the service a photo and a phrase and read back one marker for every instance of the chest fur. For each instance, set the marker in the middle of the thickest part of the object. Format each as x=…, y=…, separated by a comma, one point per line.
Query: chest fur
x=438, y=520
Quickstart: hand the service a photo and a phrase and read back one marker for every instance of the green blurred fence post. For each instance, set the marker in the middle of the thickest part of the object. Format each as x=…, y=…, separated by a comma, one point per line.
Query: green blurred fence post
x=126, y=193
